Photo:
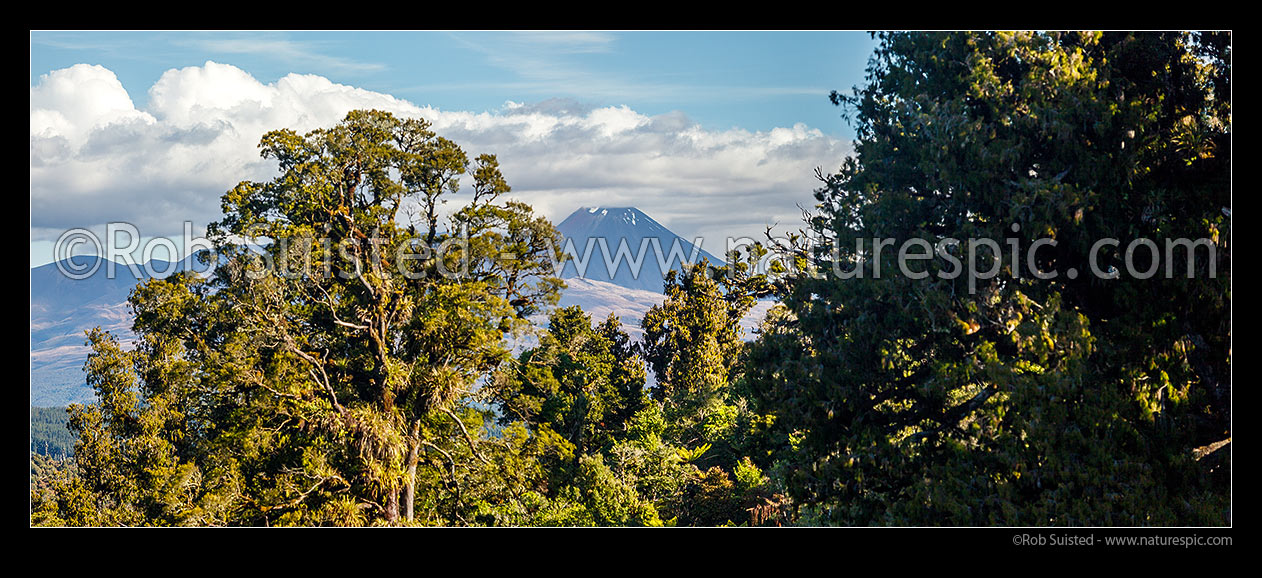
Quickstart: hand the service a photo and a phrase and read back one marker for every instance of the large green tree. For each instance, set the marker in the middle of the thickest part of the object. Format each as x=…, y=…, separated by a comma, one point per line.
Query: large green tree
x=1012, y=399
x=694, y=345
x=582, y=382
x=327, y=358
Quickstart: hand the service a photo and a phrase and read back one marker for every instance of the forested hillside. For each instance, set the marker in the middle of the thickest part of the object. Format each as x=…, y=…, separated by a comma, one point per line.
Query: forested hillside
x=50, y=435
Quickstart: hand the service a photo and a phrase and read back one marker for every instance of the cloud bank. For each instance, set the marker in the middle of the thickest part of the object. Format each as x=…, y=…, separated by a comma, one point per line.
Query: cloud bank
x=97, y=158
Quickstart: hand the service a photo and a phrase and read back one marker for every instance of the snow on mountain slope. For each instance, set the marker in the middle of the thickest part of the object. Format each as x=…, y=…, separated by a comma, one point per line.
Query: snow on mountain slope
x=62, y=309
x=599, y=299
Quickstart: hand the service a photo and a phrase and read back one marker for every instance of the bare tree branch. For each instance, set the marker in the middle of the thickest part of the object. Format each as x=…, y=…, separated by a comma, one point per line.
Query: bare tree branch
x=467, y=437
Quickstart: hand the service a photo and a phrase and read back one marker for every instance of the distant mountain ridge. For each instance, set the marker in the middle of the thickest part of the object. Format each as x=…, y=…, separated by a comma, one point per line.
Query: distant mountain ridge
x=62, y=309
x=607, y=242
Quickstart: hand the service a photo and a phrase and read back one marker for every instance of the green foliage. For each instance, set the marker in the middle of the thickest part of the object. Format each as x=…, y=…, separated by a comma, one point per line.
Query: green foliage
x=45, y=472
x=316, y=379
x=582, y=382
x=350, y=368
x=1027, y=401
x=581, y=387
x=658, y=469
x=623, y=458
x=605, y=499
x=693, y=344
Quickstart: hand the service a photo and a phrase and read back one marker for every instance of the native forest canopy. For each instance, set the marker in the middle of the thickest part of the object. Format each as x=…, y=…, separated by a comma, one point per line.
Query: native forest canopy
x=354, y=393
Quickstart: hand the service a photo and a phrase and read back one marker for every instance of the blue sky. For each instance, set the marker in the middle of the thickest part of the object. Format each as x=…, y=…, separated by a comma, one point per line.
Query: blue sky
x=754, y=80
x=737, y=97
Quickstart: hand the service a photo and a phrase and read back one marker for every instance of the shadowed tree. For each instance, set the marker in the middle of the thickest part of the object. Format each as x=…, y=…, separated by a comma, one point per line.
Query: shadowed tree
x=936, y=399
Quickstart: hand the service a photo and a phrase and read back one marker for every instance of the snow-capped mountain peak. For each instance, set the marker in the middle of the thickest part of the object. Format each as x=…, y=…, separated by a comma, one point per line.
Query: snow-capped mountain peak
x=624, y=246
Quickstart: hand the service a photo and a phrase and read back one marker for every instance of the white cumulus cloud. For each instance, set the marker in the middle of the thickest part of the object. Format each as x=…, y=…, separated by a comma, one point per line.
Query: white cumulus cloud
x=96, y=158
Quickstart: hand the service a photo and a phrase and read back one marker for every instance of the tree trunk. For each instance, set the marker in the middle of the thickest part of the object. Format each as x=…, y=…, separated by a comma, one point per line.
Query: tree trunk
x=392, y=506
x=414, y=443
